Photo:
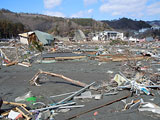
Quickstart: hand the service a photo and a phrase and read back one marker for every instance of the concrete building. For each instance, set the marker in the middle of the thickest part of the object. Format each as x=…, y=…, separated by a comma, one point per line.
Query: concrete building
x=107, y=35
x=134, y=40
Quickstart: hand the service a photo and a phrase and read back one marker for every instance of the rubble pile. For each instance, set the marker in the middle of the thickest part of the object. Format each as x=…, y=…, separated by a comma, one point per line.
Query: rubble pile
x=133, y=85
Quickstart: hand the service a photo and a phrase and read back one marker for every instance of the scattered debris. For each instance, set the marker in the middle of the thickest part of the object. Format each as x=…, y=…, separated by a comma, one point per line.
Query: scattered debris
x=24, y=97
x=21, y=110
x=51, y=107
x=14, y=115
x=136, y=70
x=98, y=107
x=76, y=93
x=25, y=64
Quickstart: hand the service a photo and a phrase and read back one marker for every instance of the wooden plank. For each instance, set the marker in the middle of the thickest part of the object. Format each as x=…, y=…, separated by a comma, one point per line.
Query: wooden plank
x=13, y=103
x=12, y=63
x=69, y=58
x=128, y=58
x=24, y=112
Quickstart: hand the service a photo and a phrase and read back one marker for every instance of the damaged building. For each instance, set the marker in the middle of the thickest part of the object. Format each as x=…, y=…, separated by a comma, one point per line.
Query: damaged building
x=107, y=35
x=41, y=37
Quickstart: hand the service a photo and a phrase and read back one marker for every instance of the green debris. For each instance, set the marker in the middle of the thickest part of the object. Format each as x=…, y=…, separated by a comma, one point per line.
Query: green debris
x=31, y=99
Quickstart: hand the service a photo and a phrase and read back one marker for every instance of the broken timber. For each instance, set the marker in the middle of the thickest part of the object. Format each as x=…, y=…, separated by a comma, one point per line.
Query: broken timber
x=4, y=55
x=12, y=63
x=13, y=103
x=34, y=80
x=21, y=108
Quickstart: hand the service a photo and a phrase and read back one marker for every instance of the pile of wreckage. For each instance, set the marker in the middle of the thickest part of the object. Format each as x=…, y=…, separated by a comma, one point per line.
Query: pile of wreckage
x=136, y=78
x=141, y=83
x=21, y=54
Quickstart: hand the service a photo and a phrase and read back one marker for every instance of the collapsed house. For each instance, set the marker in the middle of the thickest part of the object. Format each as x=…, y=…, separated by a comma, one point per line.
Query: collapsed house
x=41, y=37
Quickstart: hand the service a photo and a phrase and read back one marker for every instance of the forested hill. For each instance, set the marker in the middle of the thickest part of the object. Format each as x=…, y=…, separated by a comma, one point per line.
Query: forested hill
x=127, y=24
x=10, y=21
x=154, y=23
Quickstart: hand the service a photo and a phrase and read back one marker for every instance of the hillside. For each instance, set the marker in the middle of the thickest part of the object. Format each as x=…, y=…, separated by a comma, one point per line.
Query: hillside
x=154, y=23
x=127, y=24
x=55, y=25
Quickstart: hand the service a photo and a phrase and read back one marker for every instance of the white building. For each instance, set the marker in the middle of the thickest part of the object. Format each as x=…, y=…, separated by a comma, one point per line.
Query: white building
x=135, y=40
x=108, y=35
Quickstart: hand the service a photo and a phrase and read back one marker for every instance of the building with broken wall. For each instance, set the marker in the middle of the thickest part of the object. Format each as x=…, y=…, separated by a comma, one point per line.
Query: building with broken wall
x=38, y=36
x=107, y=35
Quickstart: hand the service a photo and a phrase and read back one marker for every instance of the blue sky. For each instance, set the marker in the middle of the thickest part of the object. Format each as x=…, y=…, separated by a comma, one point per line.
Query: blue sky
x=96, y=9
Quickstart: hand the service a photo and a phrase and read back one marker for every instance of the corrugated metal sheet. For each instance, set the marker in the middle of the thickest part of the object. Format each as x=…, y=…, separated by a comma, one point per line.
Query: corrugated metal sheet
x=45, y=38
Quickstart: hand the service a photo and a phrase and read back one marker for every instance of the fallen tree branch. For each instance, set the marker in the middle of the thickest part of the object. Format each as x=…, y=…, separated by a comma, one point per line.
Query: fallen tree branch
x=34, y=80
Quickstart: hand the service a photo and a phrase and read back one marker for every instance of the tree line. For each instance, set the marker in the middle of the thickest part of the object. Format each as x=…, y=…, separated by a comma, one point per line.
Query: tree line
x=9, y=29
x=127, y=24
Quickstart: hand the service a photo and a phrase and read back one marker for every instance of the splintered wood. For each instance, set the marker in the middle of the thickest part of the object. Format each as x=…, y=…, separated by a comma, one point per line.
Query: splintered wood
x=34, y=80
x=21, y=108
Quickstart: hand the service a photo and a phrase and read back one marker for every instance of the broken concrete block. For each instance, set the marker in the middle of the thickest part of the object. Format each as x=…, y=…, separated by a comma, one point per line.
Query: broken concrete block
x=98, y=97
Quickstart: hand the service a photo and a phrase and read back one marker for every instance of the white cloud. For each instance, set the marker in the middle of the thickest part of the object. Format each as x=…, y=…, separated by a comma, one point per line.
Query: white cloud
x=153, y=9
x=51, y=3
x=57, y=14
x=130, y=8
x=89, y=2
x=83, y=14
x=123, y=7
x=90, y=11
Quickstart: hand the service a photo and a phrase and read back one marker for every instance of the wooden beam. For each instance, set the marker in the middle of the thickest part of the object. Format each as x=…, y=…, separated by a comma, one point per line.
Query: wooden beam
x=13, y=103
x=34, y=80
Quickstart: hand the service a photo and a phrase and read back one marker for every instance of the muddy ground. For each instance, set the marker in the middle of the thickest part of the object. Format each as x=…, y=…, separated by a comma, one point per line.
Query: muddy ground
x=14, y=82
